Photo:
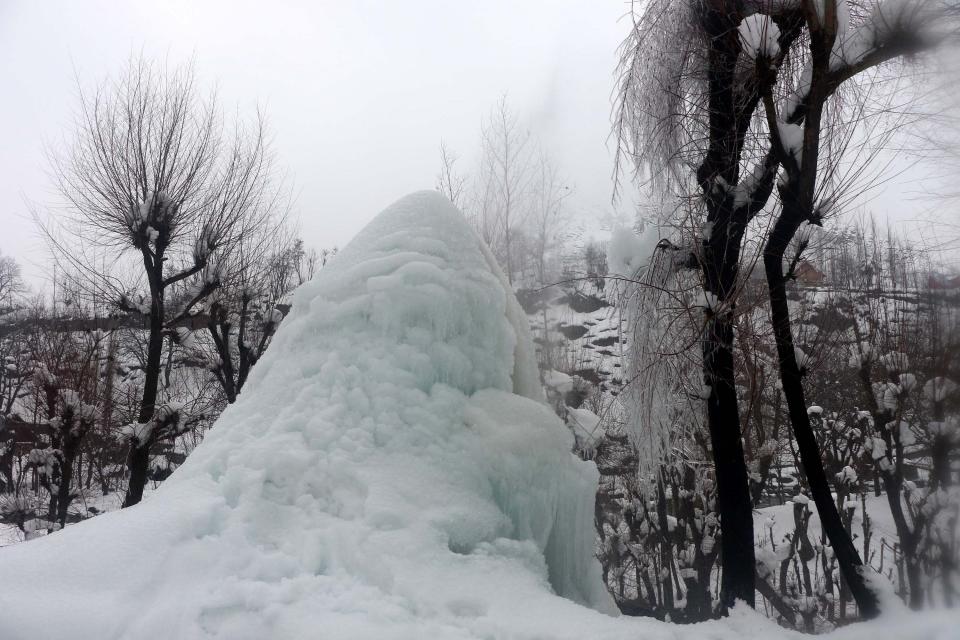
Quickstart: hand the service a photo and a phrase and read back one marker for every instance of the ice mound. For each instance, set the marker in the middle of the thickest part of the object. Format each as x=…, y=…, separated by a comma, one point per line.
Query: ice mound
x=378, y=473
x=388, y=472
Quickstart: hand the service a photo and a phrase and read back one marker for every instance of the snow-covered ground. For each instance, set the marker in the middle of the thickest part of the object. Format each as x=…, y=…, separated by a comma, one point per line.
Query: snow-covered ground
x=584, y=333
x=90, y=502
x=778, y=520
x=389, y=472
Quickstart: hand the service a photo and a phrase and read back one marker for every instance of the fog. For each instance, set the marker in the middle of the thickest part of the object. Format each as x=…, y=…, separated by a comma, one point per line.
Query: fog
x=358, y=95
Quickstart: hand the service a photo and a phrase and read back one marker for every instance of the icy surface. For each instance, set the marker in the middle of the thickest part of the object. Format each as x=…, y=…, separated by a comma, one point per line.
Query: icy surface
x=378, y=478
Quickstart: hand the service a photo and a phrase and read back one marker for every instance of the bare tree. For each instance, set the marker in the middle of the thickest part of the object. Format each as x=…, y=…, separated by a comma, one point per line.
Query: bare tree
x=805, y=143
x=506, y=170
x=11, y=283
x=154, y=181
x=546, y=216
x=683, y=119
x=246, y=311
x=449, y=182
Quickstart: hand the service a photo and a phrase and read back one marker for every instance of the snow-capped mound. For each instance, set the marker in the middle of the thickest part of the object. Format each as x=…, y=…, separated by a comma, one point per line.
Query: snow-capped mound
x=378, y=472
x=388, y=472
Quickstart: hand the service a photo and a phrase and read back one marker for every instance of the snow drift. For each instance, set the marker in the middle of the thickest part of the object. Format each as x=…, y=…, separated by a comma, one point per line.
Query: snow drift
x=388, y=472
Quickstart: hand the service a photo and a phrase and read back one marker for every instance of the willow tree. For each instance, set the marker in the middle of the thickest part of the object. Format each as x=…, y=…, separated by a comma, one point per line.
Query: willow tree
x=717, y=99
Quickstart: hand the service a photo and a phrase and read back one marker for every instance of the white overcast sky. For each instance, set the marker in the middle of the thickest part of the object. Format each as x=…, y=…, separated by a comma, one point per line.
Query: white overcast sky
x=358, y=93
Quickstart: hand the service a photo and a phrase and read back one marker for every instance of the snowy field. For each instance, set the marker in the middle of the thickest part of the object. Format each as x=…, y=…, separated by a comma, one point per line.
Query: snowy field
x=778, y=520
x=390, y=471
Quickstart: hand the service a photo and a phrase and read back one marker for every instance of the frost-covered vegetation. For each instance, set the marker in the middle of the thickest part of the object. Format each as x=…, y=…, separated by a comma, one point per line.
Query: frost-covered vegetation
x=885, y=423
x=73, y=380
x=754, y=123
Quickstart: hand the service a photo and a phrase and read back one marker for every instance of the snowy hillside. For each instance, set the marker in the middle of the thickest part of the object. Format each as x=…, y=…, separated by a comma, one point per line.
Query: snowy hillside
x=389, y=472
x=584, y=331
x=578, y=332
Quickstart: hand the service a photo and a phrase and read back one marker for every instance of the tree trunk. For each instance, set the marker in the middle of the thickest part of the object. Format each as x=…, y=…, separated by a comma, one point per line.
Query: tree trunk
x=893, y=484
x=66, y=480
x=139, y=460
x=733, y=489
x=138, y=464
x=6, y=463
x=666, y=555
x=940, y=474
x=721, y=258
x=848, y=560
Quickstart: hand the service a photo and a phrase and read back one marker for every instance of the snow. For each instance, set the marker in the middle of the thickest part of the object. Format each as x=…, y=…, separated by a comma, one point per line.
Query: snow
x=584, y=420
x=558, y=381
x=379, y=476
x=938, y=389
x=745, y=189
x=388, y=472
x=791, y=136
x=759, y=36
x=630, y=251
x=847, y=476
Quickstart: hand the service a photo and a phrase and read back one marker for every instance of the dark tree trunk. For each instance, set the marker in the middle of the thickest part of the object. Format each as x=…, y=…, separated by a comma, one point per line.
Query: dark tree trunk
x=893, y=484
x=666, y=555
x=138, y=462
x=848, y=560
x=6, y=463
x=940, y=475
x=66, y=480
x=729, y=118
x=733, y=489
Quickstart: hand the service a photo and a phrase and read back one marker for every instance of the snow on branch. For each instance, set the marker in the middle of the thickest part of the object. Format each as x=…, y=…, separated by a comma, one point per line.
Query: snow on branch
x=753, y=190
x=759, y=36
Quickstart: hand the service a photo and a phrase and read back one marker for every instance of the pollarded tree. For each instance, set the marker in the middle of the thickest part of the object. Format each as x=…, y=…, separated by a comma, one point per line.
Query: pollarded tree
x=808, y=129
x=155, y=182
